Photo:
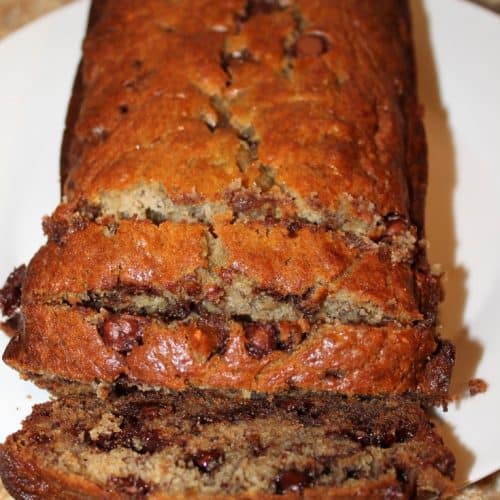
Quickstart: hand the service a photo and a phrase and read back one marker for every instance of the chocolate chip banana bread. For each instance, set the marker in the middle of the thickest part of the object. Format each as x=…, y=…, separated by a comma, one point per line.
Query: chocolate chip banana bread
x=243, y=186
x=234, y=299
x=212, y=445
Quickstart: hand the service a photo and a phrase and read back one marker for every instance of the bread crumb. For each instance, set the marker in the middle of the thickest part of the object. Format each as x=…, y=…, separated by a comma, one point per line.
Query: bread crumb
x=477, y=386
x=108, y=425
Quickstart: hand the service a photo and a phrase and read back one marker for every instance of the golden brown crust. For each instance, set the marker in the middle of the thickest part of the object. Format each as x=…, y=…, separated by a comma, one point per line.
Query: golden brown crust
x=22, y=476
x=70, y=343
x=308, y=267
x=132, y=253
x=290, y=264
x=313, y=115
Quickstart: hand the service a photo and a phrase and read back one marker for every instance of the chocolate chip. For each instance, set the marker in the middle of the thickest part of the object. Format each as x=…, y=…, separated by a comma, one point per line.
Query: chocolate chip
x=292, y=480
x=262, y=7
x=122, y=332
x=208, y=460
x=10, y=294
x=336, y=374
x=123, y=387
x=133, y=436
x=293, y=228
x=211, y=335
x=123, y=108
x=383, y=437
x=261, y=338
x=311, y=45
x=257, y=449
x=105, y=442
x=146, y=441
x=245, y=201
x=40, y=438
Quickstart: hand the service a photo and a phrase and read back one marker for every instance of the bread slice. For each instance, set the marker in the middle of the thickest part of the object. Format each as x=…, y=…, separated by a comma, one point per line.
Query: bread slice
x=212, y=445
x=82, y=346
x=233, y=268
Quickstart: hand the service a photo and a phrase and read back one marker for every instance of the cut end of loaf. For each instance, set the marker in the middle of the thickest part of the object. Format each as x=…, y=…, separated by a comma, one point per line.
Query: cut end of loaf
x=204, y=444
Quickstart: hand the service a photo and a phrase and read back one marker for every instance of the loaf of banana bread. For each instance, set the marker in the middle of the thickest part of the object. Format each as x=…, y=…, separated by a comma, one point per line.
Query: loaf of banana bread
x=234, y=300
x=243, y=188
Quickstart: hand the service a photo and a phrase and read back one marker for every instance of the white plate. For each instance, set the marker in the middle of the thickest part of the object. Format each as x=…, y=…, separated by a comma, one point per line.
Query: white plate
x=459, y=70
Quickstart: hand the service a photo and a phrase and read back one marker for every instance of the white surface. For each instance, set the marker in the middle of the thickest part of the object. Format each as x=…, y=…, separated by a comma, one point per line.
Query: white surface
x=38, y=66
x=459, y=77
x=459, y=70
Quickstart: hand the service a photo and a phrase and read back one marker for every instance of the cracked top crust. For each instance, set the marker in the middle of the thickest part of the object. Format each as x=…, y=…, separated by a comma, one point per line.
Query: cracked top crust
x=320, y=93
